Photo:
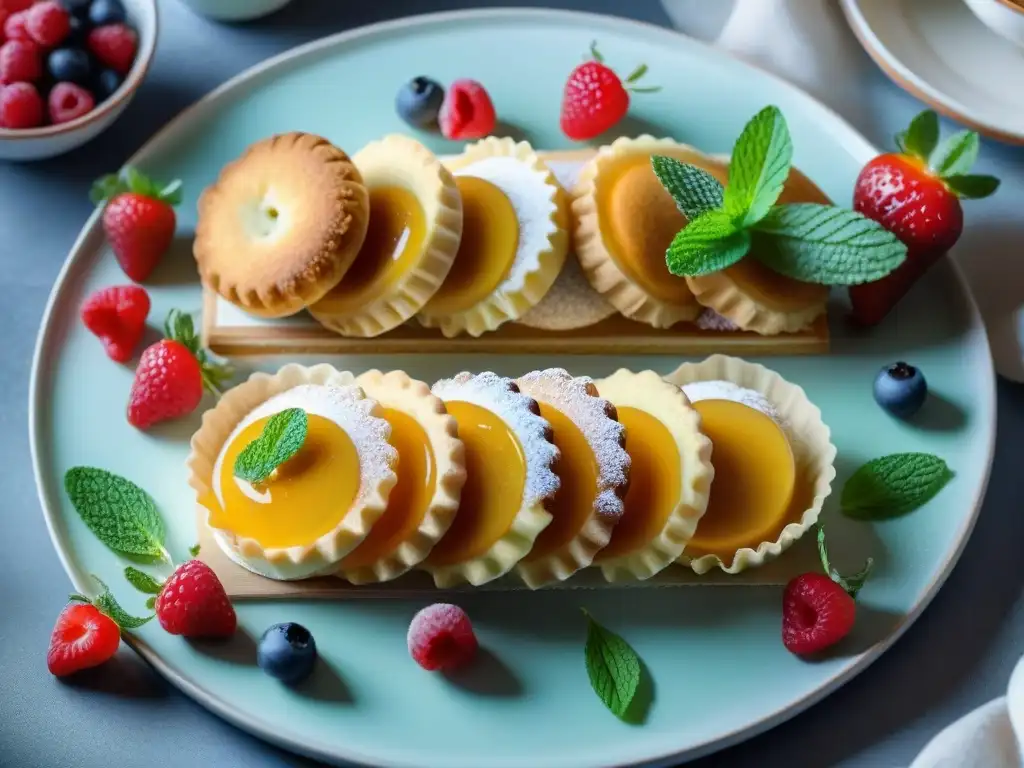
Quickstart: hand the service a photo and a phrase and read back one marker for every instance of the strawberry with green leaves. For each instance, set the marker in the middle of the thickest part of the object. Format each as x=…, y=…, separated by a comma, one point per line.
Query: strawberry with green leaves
x=138, y=219
x=916, y=195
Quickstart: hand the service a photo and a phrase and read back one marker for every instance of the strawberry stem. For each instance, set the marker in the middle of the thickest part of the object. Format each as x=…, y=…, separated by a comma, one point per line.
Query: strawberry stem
x=596, y=54
x=132, y=180
x=851, y=584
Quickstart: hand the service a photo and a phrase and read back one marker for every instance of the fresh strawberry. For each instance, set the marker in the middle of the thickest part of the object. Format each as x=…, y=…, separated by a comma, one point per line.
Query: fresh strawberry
x=139, y=219
x=117, y=315
x=818, y=609
x=21, y=106
x=82, y=638
x=172, y=375
x=441, y=637
x=467, y=111
x=916, y=194
x=114, y=45
x=48, y=23
x=595, y=99
x=193, y=603
x=20, y=62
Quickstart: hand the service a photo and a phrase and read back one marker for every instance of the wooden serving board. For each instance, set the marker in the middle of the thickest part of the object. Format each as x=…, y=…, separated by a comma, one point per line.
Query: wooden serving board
x=230, y=332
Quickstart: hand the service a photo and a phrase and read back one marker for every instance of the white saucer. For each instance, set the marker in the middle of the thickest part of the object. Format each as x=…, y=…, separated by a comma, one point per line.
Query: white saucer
x=942, y=54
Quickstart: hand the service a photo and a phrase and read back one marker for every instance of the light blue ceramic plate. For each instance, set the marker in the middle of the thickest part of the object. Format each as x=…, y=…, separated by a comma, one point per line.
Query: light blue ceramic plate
x=719, y=670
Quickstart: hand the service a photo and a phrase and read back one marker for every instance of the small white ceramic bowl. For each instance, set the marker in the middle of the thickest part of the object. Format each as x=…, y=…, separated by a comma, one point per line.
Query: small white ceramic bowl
x=53, y=140
x=1004, y=17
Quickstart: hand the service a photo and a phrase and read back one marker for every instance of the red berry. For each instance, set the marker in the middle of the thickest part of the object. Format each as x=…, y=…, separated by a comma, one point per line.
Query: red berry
x=593, y=101
x=15, y=26
x=816, y=613
x=140, y=230
x=68, y=102
x=117, y=315
x=16, y=6
x=193, y=603
x=21, y=106
x=48, y=23
x=4, y=14
x=20, y=62
x=467, y=111
x=441, y=637
x=82, y=638
x=114, y=45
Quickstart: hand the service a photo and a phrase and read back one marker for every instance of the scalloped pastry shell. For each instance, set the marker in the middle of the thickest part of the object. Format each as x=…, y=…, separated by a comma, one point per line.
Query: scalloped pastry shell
x=647, y=391
x=395, y=390
x=595, y=257
x=809, y=438
x=217, y=426
x=400, y=161
x=541, y=483
x=522, y=290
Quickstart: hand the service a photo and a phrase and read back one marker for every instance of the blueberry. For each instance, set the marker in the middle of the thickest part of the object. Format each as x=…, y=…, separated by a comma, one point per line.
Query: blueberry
x=71, y=65
x=287, y=652
x=106, y=12
x=419, y=102
x=900, y=389
x=107, y=82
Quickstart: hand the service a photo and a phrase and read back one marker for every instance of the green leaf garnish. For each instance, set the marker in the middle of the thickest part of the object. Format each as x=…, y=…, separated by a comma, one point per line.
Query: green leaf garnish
x=612, y=666
x=118, y=512
x=957, y=154
x=709, y=243
x=142, y=581
x=852, y=584
x=108, y=605
x=132, y=180
x=281, y=438
x=759, y=167
x=893, y=485
x=921, y=138
x=972, y=186
x=828, y=245
x=694, y=190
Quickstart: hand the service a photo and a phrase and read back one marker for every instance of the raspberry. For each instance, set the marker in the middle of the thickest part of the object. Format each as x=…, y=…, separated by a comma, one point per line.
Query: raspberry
x=16, y=6
x=117, y=316
x=441, y=637
x=114, y=45
x=467, y=111
x=48, y=23
x=21, y=106
x=4, y=13
x=14, y=27
x=20, y=62
x=816, y=613
x=193, y=603
x=68, y=102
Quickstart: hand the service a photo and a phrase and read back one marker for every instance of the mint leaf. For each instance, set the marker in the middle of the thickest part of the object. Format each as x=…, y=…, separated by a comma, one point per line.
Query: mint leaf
x=972, y=186
x=759, y=166
x=921, y=138
x=142, y=581
x=957, y=154
x=823, y=244
x=893, y=485
x=281, y=438
x=108, y=605
x=118, y=512
x=851, y=584
x=612, y=666
x=709, y=243
x=694, y=190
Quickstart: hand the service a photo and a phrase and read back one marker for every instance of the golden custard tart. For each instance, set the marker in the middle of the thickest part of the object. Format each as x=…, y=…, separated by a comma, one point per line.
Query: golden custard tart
x=593, y=470
x=414, y=233
x=431, y=472
x=514, y=239
x=670, y=475
x=773, y=461
x=322, y=502
x=281, y=225
x=510, y=479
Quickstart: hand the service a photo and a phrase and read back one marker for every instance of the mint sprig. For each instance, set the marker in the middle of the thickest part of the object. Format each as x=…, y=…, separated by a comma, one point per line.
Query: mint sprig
x=107, y=604
x=759, y=167
x=612, y=666
x=893, y=485
x=694, y=190
x=119, y=513
x=281, y=438
x=709, y=244
x=851, y=584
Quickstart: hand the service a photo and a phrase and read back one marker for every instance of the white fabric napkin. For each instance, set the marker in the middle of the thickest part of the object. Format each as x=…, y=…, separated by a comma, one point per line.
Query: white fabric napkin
x=805, y=42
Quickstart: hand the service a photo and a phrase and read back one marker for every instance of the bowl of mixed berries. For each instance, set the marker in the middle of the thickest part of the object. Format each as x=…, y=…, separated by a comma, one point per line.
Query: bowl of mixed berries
x=68, y=68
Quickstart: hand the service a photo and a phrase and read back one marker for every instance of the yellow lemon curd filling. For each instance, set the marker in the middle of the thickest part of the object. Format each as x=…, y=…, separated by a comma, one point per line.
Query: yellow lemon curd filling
x=577, y=469
x=409, y=499
x=304, y=499
x=490, y=238
x=655, y=484
x=393, y=245
x=495, y=482
x=755, y=477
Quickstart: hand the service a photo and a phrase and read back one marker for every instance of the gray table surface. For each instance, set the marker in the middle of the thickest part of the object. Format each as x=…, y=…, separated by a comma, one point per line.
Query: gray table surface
x=958, y=655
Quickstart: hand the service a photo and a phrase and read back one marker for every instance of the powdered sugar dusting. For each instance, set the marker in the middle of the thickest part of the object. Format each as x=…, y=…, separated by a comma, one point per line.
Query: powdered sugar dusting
x=726, y=390
x=347, y=407
x=570, y=303
x=709, y=320
x=569, y=395
x=497, y=394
